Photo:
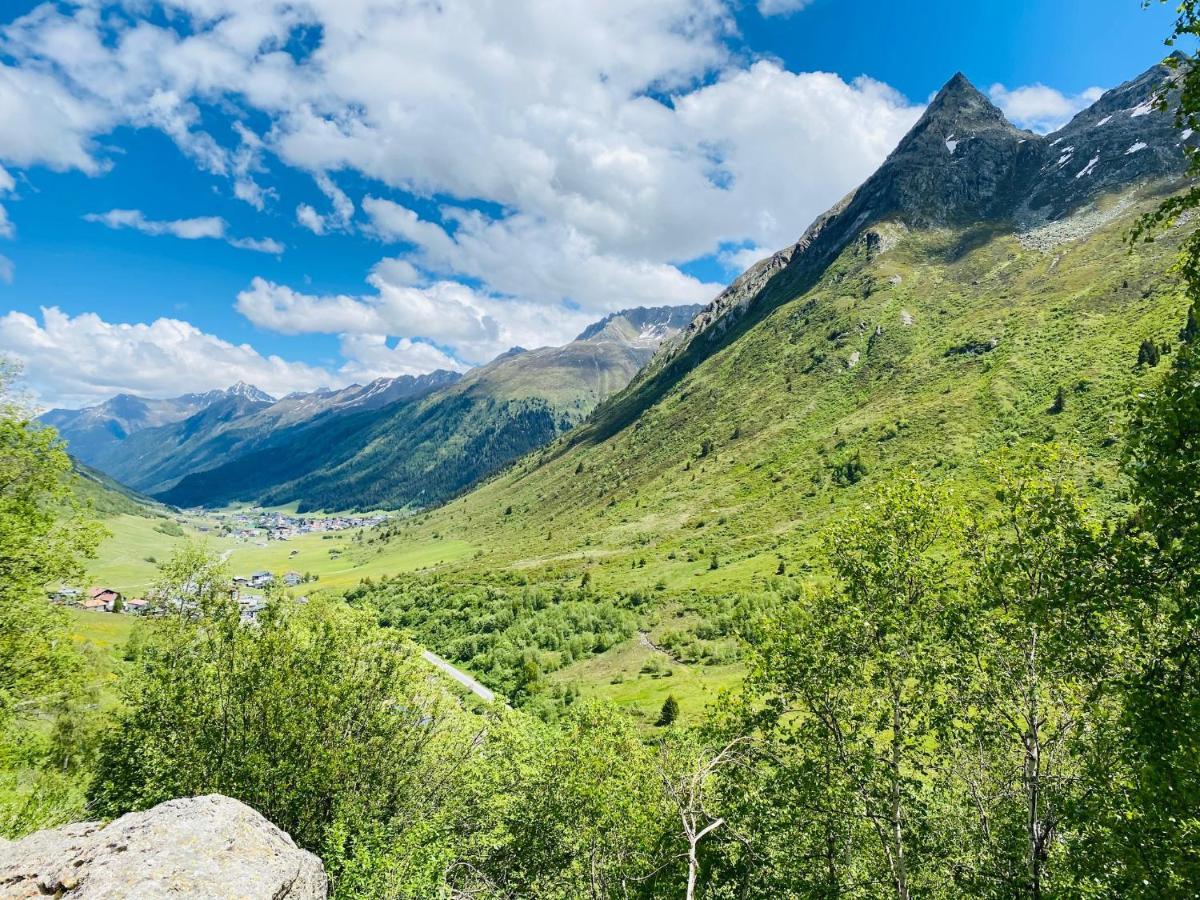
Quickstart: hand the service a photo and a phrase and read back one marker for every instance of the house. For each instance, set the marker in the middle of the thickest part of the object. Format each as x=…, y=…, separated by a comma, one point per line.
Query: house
x=291, y=579
x=250, y=613
x=137, y=605
x=94, y=604
x=107, y=597
x=261, y=579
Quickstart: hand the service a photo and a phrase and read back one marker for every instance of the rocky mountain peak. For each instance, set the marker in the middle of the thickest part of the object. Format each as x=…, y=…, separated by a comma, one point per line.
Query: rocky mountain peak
x=641, y=323
x=249, y=392
x=959, y=104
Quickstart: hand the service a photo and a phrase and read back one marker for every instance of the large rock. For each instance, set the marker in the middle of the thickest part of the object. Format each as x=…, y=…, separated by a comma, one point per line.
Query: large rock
x=200, y=847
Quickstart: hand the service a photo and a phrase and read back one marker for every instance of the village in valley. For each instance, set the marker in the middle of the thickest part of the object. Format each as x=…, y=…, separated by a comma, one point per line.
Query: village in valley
x=251, y=536
x=260, y=526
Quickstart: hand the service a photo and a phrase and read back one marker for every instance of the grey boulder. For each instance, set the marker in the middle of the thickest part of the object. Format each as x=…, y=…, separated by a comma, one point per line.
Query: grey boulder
x=199, y=847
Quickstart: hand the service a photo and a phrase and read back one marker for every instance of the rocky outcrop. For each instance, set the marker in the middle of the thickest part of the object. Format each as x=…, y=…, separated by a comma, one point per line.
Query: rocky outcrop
x=201, y=847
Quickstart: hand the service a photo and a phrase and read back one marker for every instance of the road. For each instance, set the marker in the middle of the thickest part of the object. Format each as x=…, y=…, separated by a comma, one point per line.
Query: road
x=460, y=676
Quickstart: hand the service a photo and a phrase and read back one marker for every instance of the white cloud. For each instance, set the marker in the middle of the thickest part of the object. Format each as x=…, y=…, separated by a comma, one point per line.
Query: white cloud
x=338, y=219
x=201, y=227
x=6, y=270
x=248, y=191
x=43, y=122
x=310, y=218
x=7, y=229
x=371, y=356
x=259, y=245
x=536, y=260
x=738, y=261
x=781, y=7
x=75, y=360
x=477, y=325
x=1040, y=108
x=543, y=110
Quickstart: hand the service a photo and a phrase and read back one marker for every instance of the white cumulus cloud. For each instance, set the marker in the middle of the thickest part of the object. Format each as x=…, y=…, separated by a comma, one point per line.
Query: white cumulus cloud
x=477, y=325
x=1040, y=108
x=76, y=360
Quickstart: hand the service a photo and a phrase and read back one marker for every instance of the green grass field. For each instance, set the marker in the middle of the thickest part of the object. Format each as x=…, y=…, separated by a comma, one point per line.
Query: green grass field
x=129, y=557
x=102, y=637
x=619, y=676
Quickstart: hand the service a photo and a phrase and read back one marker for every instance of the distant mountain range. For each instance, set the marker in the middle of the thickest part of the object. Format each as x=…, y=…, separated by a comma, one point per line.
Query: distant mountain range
x=409, y=440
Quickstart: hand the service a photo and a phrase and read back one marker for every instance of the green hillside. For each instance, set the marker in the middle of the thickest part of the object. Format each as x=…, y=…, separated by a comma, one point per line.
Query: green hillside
x=935, y=353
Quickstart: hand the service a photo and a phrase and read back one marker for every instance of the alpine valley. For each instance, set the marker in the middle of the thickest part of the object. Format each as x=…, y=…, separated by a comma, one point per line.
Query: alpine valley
x=976, y=293
x=877, y=576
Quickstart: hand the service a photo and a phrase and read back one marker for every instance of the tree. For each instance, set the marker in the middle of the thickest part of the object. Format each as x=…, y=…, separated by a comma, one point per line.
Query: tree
x=854, y=688
x=45, y=535
x=316, y=716
x=1060, y=402
x=669, y=712
x=686, y=773
x=1191, y=329
x=1147, y=836
x=1148, y=354
x=1033, y=636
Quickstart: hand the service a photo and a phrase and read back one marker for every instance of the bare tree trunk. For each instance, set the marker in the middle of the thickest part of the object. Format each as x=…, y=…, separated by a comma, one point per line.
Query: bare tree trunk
x=693, y=870
x=899, y=866
x=1033, y=773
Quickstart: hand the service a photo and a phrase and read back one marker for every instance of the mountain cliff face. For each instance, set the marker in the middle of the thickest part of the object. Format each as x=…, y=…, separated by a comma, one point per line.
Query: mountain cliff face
x=927, y=320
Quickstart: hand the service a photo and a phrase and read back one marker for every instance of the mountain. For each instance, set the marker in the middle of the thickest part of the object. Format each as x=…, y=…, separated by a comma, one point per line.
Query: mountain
x=926, y=321
x=108, y=498
x=242, y=420
x=93, y=430
x=421, y=451
x=961, y=166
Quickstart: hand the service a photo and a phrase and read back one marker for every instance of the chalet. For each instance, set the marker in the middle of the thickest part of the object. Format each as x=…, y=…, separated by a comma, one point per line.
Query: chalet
x=107, y=597
x=94, y=604
x=261, y=579
x=291, y=579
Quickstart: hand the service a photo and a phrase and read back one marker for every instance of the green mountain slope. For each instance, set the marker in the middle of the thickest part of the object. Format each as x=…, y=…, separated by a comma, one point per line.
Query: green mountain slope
x=109, y=498
x=930, y=321
x=420, y=452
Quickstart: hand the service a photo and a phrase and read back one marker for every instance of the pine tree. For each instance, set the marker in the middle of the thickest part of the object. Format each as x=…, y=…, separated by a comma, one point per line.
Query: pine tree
x=669, y=713
x=1148, y=354
x=1191, y=330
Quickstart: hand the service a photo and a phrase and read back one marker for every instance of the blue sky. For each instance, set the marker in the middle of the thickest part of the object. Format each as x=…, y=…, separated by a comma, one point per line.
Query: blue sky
x=318, y=193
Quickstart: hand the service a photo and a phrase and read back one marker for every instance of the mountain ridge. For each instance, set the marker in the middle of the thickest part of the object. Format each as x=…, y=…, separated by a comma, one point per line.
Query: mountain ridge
x=961, y=164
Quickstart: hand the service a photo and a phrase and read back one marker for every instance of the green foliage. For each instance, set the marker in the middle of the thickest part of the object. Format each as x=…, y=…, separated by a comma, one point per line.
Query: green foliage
x=669, y=713
x=316, y=717
x=45, y=536
x=496, y=632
